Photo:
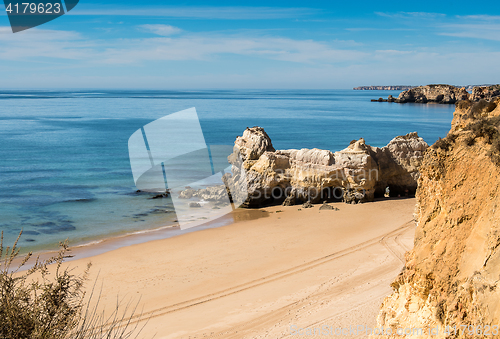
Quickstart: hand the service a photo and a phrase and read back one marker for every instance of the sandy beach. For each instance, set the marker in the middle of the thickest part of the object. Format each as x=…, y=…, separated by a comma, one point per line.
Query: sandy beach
x=278, y=276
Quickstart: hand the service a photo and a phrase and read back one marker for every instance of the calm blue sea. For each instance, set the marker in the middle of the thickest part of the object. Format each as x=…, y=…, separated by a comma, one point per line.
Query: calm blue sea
x=65, y=171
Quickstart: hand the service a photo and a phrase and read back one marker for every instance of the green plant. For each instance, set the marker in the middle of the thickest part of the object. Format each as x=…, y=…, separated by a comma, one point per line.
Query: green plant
x=38, y=304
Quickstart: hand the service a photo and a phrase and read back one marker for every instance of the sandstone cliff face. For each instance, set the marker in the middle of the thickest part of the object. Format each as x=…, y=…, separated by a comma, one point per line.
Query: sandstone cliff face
x=443, y=94
x=452, y=276
x=354, y=174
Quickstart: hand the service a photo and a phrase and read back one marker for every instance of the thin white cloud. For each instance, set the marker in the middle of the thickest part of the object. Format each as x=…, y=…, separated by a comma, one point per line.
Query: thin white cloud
x=474, y=31
x=307, y=63
x=163, y=30
x=479, y=17
x=411, y=15
x=207, y=48
x=363, y=29
x=425, y=68
x=37, y=43
x=227, y=13
x=69, y=45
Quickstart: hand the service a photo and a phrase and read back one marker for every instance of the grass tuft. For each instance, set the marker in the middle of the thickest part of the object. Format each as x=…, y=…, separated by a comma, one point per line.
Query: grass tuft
x=36, y=304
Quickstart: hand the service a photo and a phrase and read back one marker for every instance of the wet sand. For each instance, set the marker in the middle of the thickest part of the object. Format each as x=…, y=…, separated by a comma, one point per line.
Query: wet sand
x=292, y=271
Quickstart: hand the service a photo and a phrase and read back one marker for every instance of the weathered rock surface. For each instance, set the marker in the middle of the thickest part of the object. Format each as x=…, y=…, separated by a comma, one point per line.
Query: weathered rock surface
x=254, y=143
x=327, y=207
x=297, y=176
x=442, y=94
x=399, y=162
x=307, y=205
x=212, y=193
x=383, y=88
x=452, y=276
x=485, y=93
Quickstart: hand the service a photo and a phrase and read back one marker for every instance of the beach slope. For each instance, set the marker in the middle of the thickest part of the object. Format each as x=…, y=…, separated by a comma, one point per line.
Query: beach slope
x=287, y=273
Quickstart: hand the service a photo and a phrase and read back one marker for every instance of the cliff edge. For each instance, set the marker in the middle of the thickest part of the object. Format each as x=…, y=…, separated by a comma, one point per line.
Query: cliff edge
x=451, y=279
x=442, y=94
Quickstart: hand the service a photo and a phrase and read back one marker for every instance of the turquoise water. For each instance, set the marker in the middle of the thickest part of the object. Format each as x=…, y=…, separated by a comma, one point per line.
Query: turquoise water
x=65, y=171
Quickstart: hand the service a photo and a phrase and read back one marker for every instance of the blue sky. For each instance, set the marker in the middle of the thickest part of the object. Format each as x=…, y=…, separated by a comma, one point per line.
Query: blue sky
x=255, y=45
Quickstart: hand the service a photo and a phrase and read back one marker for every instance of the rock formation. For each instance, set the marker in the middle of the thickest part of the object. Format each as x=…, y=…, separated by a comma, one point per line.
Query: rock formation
x=452, y=276
x=383, y=88
x=442, y=94
x=212, y=193
x=485, y=93
x=399, y=163
x=354, y=174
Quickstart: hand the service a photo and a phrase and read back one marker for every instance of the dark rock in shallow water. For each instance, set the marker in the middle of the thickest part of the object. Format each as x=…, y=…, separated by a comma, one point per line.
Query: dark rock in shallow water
x=194, y=205
x=138, y=215
x=161, y=195
x=160, y=210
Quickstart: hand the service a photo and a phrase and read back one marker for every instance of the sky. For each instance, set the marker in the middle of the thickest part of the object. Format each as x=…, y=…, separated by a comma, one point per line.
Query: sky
x=255, y=45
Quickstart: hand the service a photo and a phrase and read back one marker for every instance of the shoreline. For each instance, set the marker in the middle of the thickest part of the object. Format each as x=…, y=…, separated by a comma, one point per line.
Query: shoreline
x=252, y=278
x=107, y=244
x=110, y=243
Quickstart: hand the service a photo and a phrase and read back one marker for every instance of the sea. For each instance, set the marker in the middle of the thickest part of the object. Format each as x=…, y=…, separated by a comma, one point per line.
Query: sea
x=65, y=171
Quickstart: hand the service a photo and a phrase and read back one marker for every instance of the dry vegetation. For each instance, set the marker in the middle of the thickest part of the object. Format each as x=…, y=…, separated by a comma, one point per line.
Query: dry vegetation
x=38, y=304
x=483, y=127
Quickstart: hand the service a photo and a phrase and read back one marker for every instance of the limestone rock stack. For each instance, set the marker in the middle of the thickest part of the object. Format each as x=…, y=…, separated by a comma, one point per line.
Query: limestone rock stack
x=293, y=176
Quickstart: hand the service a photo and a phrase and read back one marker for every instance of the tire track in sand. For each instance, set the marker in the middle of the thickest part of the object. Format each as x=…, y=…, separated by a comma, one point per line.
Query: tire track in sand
x=285, y=313
x=271, y=278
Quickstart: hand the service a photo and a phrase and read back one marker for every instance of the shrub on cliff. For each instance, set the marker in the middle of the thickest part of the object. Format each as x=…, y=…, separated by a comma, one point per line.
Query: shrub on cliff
x=483, y=106
x=36, y=304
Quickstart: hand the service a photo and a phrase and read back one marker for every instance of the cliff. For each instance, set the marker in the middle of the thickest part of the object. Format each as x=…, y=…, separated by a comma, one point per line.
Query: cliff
x=442, y=94
x=452, y=276
x=355, y=174
x=382, y=88
x=487, y=93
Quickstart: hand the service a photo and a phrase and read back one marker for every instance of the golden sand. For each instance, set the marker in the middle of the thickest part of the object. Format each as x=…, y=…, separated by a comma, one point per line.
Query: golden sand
x=292, y=270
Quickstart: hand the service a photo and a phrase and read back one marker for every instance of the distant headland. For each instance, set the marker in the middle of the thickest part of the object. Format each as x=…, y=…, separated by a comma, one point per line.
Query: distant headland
x=383, y=88
x=443, y=94
x=405, y=88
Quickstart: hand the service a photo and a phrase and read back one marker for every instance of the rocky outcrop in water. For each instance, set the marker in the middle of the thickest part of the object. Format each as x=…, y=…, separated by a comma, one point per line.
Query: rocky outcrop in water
x=382, y=88
x=451, y=279
x=441, y=94
x=487, y=93
x=354, y=174
x=212, y=193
